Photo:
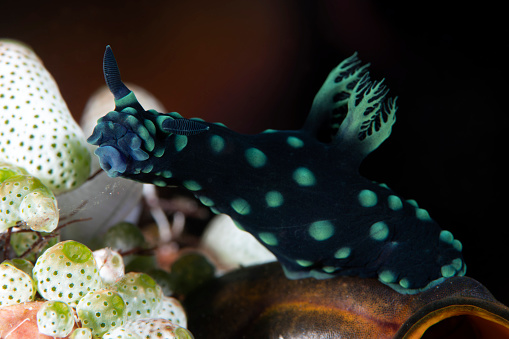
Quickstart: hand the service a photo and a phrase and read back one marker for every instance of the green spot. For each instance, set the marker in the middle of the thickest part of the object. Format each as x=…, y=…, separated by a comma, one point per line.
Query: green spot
x=422, y=214
x=148, y=168
x=379, y=231
x=304, y=263
x=167, y=174
x=270, y=130
x=160, y=183
x=295, y=142
x=395, y=203
x=214, y=210
x=413, y=203
x=446, y=237
x=150, y=126
x=180, y=142
x=148, y=141
x=239, y=226
x=343, y=253
x=129, y=110
x=241, y=206
x=321, y=230
x=457, y=264
x=206, y=201
x=456, y=244
x=268, y=238
x=255, y=157
x=191, y=185
x=304, y=177
x=367, y=198
x=216, y=143
x=447, y=271
x=387, y=277
x=404, y=283
x=329, y=269
x=274, y=199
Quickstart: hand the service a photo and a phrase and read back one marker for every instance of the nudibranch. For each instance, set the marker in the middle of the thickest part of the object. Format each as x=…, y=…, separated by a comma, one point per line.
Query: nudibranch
x=298, y=192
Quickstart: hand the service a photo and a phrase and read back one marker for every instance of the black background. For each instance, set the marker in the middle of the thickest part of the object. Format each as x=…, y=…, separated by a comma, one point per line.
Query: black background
x=257, y=64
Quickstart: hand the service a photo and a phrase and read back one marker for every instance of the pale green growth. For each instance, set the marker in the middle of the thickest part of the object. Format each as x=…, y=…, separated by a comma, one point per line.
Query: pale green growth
x=321, y=230
x=191, y=185
x=295, y=142
x=304, y=177
x=241, y=206
x=101, y=311
x=387, y=277
x=379, y=231
x=55, y=319
x=395, y=203
x=255, y=157
x=274, y=199
x=367, y=198
x=268, y=238
x=180, y=142
x=217, y=143
x=343, y=253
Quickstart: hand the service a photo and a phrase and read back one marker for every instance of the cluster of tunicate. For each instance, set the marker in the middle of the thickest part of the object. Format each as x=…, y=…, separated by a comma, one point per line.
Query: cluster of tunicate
x=88, y=295
x=25, y=201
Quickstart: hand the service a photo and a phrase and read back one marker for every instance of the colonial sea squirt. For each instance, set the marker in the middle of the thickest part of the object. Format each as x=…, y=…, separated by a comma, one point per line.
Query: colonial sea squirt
x=298, y=192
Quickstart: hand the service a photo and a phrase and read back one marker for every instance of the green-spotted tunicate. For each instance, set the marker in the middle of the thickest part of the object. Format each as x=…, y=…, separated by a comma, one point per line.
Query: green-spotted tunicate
x=66, y=272
x=38, y=133
x=101, y=310
x=55, y=319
